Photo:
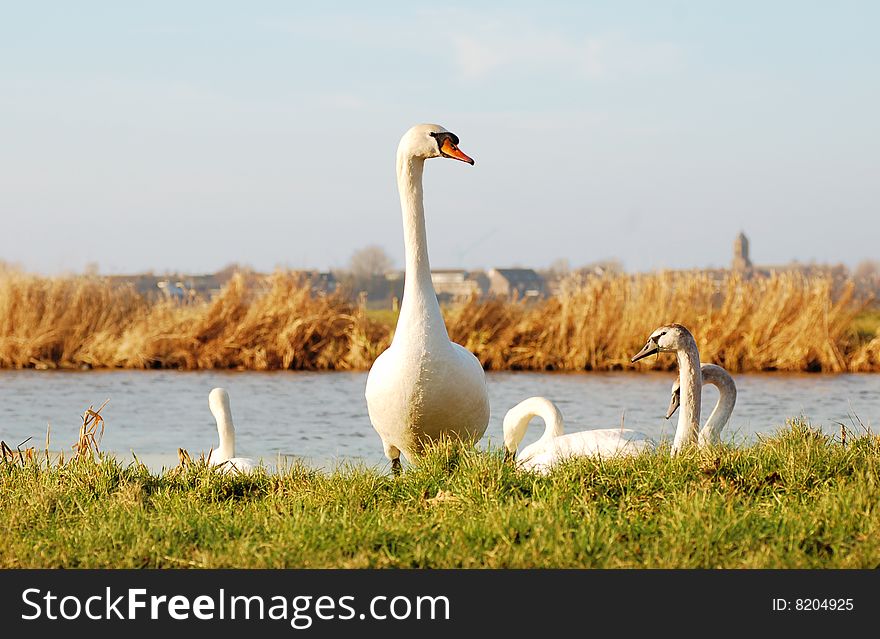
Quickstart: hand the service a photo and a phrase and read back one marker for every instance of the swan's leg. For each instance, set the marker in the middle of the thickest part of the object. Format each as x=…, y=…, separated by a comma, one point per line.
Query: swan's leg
x=393, y=453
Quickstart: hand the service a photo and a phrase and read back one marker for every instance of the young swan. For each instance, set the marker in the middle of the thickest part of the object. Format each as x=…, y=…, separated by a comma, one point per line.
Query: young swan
x=721, y=379
x=675, y=338
x=554, y=446
x=224, y=455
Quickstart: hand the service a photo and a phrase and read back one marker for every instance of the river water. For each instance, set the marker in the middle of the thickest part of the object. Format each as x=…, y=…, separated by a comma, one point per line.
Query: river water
x=322, y=417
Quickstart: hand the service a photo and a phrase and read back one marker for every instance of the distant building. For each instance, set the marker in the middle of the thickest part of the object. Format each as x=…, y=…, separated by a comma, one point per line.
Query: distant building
x=516, y=283
x=174, y=286
x=742, y=263
x=319, y=281
x=181, y=287
x=457, y=284
x=176, y=291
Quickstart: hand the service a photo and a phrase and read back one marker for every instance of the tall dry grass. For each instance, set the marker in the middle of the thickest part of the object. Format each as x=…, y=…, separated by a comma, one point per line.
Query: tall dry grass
x=787, y=322
x=76, y=322
x=867, y=358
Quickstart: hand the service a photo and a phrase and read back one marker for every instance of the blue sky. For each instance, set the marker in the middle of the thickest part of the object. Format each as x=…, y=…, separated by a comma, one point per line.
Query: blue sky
x=187, y=135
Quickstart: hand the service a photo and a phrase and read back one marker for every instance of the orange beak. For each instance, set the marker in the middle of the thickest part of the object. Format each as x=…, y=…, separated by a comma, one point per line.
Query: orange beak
x=451, y=151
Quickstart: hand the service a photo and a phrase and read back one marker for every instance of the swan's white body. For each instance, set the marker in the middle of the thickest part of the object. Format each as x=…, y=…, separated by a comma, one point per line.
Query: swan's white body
x=224, y=455
x=554, y=446
x=423, y=386
x=716, y=376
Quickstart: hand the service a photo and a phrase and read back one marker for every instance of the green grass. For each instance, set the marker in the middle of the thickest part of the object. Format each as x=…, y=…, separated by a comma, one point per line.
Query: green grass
x=866, y=325
x=384, y=316
x=797, y=500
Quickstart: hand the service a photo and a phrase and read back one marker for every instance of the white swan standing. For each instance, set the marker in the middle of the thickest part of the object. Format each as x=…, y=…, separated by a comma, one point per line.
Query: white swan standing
x=675, y=338
x=715, y=375
x=224, y=455
x=554, y=446
x=423, y=386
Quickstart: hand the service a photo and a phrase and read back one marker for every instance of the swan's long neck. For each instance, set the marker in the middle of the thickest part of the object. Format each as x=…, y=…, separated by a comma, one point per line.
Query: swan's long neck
x=691, y=381
x=711, y=432
x=420, y=310
x=516, y=422
x=226, y=430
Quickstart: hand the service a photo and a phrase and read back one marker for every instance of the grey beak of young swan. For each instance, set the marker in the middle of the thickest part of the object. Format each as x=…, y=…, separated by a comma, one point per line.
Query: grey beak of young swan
x=649, y=349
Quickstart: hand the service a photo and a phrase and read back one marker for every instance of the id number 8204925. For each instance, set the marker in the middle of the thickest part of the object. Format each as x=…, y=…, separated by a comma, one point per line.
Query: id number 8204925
x=813, y=604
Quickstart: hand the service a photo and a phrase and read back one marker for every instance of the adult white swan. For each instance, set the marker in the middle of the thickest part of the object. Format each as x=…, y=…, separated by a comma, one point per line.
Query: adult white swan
x=675, y=338
x=424, y=385
x=721, y=379
x=555, y=446
x=224, y=455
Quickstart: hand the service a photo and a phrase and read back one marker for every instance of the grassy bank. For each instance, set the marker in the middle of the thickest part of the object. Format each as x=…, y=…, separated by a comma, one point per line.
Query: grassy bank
x=799, y=499
x=787, y=322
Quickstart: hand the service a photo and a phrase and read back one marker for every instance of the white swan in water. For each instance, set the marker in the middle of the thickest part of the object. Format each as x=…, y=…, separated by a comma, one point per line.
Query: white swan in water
x=224, y=455
x=423, y=386
x=675, y=338
x=715, y=375
x=555, y=446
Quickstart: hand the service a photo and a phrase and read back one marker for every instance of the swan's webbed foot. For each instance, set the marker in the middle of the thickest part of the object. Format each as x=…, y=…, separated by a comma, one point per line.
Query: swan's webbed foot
x=396, y=467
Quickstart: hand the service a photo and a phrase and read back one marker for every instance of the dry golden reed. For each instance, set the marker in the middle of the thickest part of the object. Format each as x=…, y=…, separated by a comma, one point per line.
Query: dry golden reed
x=91, y=431
x=787, y=322
x=86, y=449
x=76, y=322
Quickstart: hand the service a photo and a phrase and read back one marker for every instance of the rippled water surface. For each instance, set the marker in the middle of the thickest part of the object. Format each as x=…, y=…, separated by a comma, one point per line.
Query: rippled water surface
x=323, y=416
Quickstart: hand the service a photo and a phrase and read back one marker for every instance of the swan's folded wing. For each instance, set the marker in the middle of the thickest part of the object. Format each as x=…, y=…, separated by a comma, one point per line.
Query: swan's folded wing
x=606, y=442
x=239, y=465
x=540, y=462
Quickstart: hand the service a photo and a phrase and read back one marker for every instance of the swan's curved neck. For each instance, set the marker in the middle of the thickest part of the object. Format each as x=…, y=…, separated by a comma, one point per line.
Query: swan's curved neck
x=691, y=381
x=518, y=418
x=226, y=430
x=420, y=305
x=711, y=432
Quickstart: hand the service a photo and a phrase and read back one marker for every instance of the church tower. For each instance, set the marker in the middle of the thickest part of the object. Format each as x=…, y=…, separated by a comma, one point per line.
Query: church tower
x=741, y=261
